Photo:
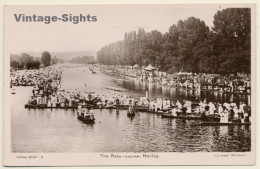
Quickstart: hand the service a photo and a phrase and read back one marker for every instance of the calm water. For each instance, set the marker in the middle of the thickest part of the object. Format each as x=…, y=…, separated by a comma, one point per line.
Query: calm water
x=60, y=131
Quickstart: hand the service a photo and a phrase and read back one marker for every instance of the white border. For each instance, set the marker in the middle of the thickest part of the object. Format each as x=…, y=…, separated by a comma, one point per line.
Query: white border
x=197, y=158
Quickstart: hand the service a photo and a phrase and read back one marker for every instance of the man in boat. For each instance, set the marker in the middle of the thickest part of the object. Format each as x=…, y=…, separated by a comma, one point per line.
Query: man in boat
x=117, y=101
x=247, y=113
x=131, y=110
x=86, y=113
x=91, y=113
x=207, y=109
x=184, y=110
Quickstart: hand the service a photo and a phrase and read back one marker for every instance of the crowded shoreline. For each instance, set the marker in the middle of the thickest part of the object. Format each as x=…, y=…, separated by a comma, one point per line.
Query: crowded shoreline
x=202, y=82
x=47, y=93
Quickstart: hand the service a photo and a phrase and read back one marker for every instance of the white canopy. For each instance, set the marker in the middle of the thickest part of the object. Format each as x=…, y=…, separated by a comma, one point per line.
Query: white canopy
x=136, y=66
x=150, y=68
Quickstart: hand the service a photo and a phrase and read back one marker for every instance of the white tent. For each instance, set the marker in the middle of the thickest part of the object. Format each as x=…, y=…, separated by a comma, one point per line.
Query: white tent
x=135, y=66
x=150, y=68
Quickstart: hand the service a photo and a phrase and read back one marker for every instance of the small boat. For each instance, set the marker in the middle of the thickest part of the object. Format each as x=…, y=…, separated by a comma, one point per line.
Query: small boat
x=214, y=123
x=130, y=114
x=109, y=106
x=90, y=119
x=13, y=91
x=142, y=108
x=181, y=117
x=163, y=111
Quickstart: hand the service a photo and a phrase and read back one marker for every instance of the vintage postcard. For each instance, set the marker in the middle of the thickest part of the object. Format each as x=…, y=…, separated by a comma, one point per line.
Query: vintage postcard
x=129, y=84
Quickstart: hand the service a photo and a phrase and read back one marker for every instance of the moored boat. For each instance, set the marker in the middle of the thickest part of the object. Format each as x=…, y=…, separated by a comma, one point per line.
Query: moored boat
x=190, y=117
x=214, y=123
x=131, y=112
x=13, y=91
x=84, y=116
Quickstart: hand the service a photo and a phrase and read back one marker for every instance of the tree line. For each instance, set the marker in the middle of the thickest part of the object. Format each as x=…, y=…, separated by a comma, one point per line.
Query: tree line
x=84, y=60
x=189, y=46
x=27, y=61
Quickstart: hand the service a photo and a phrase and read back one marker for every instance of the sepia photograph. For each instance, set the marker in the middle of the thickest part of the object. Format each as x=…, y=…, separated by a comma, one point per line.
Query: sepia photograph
x=135, y=82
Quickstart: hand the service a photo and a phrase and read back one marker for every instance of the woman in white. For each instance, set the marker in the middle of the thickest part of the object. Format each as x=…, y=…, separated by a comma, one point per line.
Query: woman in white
x=224, y=116
x=212, y=108
x=79, y=109
x=235, y=109
x=188, y=105
x=201, y=109
x=159, y=104
x=146, y=103
x=220, y=109
x=174, y=111
x=151, y=106
x=164, y=103
x=155, y=107
x=241, y=107
x=178, y=104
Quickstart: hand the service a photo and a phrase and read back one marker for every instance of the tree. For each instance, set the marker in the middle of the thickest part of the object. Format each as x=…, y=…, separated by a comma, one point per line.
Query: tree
x=232, y=28
x=25, y=58
x=33, y=64
x=192, y=33
x=54, y=60
x=189, y=46
x=46, y=58
x=84, y=60
x=14, y=64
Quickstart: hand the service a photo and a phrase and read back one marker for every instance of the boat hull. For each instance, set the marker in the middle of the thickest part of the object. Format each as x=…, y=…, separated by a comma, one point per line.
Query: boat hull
x=222, y=124
x=181, y=117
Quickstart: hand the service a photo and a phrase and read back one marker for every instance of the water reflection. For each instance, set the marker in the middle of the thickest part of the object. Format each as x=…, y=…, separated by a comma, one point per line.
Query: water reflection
x=59, y=130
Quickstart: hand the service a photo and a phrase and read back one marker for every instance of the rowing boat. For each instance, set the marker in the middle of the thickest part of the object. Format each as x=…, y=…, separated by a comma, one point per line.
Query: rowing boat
x=214, y=123
x=181, y=117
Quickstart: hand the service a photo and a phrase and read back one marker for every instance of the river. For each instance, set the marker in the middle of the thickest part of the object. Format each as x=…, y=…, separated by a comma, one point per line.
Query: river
x=59, y=130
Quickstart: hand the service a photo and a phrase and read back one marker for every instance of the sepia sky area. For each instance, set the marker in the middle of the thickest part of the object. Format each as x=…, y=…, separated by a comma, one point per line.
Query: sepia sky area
x=112, y=23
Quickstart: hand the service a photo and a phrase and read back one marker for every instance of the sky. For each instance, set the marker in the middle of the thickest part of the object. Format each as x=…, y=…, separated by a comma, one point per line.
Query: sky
x=112, y=23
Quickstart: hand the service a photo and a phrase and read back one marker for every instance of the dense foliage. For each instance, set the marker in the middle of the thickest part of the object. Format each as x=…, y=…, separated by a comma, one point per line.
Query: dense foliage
x=24, y=60
x=84, y=60
x=189, y=46
x=46, y=58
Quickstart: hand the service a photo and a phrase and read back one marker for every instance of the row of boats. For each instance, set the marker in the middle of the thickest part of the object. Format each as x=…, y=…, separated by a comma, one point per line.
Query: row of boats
x=211, y=120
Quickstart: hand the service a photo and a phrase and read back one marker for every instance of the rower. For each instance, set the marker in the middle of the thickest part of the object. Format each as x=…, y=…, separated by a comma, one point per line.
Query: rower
x=86, y=113
x=184, y=110
x=91, y=113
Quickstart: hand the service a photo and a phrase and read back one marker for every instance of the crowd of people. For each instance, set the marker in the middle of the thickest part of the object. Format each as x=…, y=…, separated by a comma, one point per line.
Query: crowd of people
x=47, y=92
x=202, y=81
